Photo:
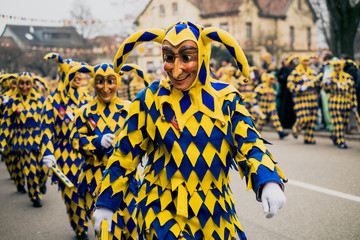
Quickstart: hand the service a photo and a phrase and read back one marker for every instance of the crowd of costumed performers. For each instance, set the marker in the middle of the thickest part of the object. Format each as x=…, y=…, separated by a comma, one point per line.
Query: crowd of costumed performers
x=187, y=127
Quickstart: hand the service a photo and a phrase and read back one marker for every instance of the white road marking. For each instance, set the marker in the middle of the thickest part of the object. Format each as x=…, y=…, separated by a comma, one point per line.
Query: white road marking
x=324, y=190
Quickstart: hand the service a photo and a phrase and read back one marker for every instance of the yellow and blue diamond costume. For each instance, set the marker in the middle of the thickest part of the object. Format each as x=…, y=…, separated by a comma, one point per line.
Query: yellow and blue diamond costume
x=305, y=102
x=20, y=128
x=92, y=122
x=265, y=97
x=342, y=101
x=7, y=91
x=246, y=86
x=191, y=138
x=58, y=115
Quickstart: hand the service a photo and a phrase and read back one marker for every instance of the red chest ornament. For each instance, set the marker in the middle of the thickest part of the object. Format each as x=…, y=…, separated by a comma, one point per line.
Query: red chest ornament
x=92, y=122
x=174, y=122
x=62, y=112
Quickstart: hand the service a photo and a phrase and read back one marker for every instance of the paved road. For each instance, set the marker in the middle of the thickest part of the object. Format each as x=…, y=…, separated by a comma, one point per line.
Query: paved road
x=323, y=198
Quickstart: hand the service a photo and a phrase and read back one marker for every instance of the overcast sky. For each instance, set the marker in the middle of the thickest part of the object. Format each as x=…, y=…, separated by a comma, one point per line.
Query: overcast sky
x=60, y=10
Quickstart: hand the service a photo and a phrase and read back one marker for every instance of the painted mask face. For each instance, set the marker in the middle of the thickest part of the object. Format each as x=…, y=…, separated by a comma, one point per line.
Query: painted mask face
x=272, y=81
x=181, y=63
x=337, y=67
x=24, y=85
x=105, y=86
x=13, y=84
x=306, y=63
x=76, y=82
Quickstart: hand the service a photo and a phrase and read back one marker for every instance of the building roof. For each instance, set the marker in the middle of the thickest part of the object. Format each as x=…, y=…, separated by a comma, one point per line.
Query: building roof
x=267, y=8
x=277, y=8
x=212, y=8
x=45, y=36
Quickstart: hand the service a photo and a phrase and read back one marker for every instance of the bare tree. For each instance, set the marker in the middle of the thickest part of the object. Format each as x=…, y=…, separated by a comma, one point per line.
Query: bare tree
x=339, y=24
x=82, y=12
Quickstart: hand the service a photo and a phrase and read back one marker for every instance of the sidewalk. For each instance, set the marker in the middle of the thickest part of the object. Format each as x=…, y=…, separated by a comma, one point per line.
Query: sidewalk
x=353, y=136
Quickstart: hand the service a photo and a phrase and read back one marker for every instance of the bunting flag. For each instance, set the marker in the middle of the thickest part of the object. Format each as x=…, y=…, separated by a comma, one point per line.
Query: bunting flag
x=60, y=21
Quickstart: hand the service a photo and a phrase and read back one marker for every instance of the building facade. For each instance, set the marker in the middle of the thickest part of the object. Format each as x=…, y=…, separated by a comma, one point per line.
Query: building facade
x=280, y=27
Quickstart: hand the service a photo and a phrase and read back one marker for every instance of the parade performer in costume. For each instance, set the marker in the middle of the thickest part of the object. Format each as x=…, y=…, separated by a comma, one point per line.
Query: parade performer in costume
x=246, y=86
x=302, y=85
x=20, y=128
x=8, y=83
x=286, y=107
x=58, y=115
x=342, y=101
x=264, y=105
x=93, y=135
x=228, y=76
x=192, y=128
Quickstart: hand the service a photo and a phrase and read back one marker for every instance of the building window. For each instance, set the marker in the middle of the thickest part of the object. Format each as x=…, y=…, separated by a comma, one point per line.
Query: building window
x=56, y=36
x=299, y=4
x=308, y=29
x=162, y=11
x=248, y=31
x=224, y=26
x=150, y=65
x=175, y=8
x=292, y=37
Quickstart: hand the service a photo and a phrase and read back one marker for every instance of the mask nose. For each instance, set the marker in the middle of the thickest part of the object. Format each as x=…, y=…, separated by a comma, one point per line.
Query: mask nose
x=177, y=70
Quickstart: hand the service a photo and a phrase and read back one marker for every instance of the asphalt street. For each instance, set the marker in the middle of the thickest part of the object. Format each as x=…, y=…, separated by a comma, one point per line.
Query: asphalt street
x=323, y=198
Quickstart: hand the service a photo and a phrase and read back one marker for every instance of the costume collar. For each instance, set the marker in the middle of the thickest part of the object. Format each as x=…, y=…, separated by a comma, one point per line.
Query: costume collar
x=199, y=98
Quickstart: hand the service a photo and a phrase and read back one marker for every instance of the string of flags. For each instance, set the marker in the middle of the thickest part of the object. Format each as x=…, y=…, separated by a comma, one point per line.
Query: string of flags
x=63, y=21
x=114, y=47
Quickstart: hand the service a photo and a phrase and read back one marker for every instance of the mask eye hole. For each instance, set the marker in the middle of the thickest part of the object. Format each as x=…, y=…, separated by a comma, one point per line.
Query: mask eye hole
x=100, y=81
x=169, y=58
x=185, y=58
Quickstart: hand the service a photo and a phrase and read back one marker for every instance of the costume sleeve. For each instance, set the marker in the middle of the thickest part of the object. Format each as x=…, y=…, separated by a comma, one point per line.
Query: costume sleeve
x=120, y=171
x=39, y=108
x=354, y=102
x=327, y=86
x=292, y=86
x=255, y=162
x=254, y=97
x=47, y=128
x=82, y=140
x=7, y=125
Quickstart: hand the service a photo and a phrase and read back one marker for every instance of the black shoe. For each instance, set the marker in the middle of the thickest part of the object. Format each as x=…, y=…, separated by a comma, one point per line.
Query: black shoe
x=294, y=135
x=21, y=189
x=343, y=146
x=334, y=140
x=308, y=142
x=43, y=189
x=82, y=236
x=282, y=135
x=36, y=203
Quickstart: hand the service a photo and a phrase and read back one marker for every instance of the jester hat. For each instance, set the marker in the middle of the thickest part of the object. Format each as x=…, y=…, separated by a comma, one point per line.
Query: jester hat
x=64, y=67
x=6, y=80
x=179, y=33
x=42, y=82
x=106, y=69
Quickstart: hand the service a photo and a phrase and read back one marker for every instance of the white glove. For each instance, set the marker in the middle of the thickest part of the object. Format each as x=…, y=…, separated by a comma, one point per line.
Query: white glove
x=107, y=140
x=5, y=100
x=273, y=198
x=49, y=160
x=257, y=109
x=2, y=150
x=100, y=214
x=303, y=88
